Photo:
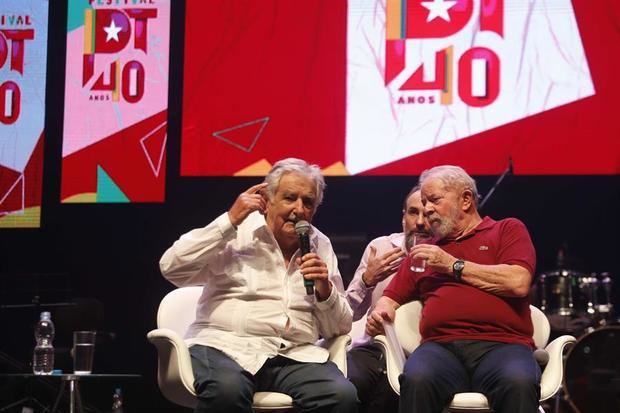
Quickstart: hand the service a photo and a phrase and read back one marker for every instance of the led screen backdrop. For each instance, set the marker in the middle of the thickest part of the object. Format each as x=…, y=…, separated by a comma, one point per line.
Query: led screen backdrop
x=23, y=60
x=392, y=87
x=116, y=96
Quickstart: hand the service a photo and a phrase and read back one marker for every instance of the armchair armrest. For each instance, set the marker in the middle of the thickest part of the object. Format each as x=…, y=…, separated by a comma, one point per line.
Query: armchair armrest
x=394, y=354
x=392, y=361
x=551, y=379
x=174, y=367
x=337, y=347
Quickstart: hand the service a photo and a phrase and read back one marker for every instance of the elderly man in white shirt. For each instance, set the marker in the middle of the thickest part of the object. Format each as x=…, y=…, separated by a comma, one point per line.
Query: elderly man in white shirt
x=256, y=326
x=381, y=259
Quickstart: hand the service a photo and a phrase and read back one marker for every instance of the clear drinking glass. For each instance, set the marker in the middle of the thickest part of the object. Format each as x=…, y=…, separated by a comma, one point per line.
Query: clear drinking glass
x=419, y=264
x=83, y=351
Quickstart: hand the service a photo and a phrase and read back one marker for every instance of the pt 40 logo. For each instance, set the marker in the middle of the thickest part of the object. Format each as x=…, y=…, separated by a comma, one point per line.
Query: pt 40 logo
x=13, y=40
x=477, y=68
x=109, y=31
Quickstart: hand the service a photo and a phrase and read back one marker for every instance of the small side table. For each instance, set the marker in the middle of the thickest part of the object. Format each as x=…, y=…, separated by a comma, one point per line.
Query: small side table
x=75, y=398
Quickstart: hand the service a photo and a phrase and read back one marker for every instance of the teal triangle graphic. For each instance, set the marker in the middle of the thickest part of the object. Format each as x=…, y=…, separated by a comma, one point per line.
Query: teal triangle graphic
x=107, y=190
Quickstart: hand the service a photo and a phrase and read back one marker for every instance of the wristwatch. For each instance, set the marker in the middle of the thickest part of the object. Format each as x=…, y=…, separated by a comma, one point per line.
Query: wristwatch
x=457, y=269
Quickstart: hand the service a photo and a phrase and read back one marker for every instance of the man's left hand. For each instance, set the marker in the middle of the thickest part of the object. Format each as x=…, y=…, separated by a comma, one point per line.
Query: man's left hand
x=436, y=258
x=313, y=268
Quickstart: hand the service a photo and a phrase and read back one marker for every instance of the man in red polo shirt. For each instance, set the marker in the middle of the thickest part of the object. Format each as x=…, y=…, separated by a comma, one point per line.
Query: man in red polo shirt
x=476, y=327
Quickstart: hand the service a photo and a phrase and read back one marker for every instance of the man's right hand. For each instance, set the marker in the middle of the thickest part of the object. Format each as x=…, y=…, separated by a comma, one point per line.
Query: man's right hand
x=247, y=202
x=385, y=310
x=379, y=268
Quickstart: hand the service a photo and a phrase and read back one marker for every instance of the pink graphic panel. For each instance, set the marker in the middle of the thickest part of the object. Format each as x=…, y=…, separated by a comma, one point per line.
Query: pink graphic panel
x=23, y=69
x=116, y=97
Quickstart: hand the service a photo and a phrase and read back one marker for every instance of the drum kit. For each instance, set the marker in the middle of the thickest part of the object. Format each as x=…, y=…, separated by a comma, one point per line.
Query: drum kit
x=581, y=305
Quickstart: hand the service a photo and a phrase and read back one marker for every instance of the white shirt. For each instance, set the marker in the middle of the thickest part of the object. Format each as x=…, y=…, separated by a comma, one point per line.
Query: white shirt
x=362, y=298
x=253, y=307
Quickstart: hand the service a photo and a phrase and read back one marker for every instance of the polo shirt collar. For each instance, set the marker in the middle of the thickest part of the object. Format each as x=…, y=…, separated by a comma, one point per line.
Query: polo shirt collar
x=486, y=223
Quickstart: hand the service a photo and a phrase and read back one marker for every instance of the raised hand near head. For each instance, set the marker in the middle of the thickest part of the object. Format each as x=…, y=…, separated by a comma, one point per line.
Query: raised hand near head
x=247, y=202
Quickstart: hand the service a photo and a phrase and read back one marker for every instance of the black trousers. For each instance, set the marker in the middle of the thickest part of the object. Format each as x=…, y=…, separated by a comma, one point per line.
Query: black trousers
x=223, y=386
x=366, y=370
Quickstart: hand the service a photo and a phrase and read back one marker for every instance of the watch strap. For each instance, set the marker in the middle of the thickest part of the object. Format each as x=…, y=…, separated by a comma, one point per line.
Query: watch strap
x=457, y=269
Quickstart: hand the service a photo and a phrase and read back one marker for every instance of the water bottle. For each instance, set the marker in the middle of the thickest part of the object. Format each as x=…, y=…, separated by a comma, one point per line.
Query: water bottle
x=117, y=401
x=43, y=357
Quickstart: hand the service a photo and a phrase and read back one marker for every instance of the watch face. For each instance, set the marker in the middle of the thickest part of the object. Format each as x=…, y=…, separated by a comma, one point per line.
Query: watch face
x=458, y=266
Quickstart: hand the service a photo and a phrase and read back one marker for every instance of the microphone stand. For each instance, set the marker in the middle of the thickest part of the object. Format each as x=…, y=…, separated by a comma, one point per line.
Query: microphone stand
x=507, y=172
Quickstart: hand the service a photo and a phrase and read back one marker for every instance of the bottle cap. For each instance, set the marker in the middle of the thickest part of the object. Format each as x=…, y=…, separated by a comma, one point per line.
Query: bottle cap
x=45, y=315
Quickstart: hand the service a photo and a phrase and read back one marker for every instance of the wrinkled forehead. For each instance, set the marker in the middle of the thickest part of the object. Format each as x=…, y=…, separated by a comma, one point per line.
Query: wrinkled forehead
x=433, y=186
x=295, y=182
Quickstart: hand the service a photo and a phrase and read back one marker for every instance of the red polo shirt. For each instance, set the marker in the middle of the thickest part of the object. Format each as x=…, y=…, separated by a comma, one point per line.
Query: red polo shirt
x=458, y=311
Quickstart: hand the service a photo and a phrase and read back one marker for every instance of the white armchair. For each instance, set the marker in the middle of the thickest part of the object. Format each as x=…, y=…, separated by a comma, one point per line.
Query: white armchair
x=401, y=339
x=177, y=311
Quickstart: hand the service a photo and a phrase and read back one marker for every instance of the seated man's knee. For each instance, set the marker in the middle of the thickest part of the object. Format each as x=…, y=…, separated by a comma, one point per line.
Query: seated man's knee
x=335, y=395
x=228, y=392
x=514, y=387
x=520, y=382
x=345, y=392
x=417, y=376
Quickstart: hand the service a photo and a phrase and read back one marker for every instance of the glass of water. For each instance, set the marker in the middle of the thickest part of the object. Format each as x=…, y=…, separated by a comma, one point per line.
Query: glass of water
x=83, y=351
x=419, y=264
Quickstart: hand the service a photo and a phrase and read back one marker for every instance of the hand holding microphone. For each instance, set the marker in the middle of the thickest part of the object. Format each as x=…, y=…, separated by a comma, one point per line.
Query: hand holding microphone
x=302, y=228
x=312, y=267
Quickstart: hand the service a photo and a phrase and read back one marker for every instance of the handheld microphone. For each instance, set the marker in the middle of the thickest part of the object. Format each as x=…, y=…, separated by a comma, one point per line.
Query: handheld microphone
x=302, y=228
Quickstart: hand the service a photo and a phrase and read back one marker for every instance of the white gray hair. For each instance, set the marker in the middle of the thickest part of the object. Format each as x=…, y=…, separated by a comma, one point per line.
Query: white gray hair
x=299, y=166
x=453, y=177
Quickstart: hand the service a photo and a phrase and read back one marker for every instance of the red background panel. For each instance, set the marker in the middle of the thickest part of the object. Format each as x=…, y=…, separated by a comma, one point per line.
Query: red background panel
x=247, y=60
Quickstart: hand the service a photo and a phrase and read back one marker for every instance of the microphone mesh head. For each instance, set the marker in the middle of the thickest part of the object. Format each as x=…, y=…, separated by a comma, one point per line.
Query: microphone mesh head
x=302, y=227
